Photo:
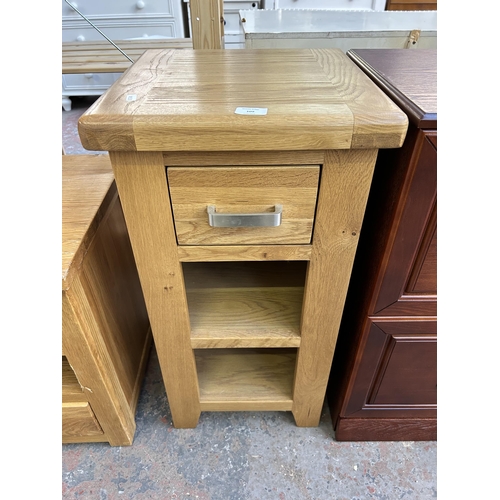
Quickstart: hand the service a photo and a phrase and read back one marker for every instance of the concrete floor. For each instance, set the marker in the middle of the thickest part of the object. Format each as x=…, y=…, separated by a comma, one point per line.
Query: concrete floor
x=237, y=456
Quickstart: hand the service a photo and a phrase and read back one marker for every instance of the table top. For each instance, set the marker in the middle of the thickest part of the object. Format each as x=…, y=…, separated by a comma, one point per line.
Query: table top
x=242, y=100
x=408, y=76
x=87, y=191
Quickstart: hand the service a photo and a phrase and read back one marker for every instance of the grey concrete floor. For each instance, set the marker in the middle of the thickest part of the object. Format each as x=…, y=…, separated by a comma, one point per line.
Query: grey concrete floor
x=237, y=455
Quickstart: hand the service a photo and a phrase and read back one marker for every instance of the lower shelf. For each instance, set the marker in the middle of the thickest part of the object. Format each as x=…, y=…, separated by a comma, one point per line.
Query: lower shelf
x=78, y=420
x=71, y=389
x=245, y=379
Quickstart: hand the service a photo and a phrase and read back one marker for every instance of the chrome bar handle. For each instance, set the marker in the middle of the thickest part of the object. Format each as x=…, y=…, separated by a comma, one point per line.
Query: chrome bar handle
x=265, y=219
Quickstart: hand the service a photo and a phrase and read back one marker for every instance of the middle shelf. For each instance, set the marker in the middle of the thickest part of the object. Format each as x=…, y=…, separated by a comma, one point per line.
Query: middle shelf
x=245, y=304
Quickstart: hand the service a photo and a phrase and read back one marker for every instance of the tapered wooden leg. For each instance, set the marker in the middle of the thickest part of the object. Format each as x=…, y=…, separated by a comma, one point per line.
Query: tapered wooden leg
x=142, y=186
x=345, y=184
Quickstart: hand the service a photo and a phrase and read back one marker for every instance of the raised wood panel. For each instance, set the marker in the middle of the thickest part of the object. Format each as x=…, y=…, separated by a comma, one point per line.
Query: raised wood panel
x=397, y=371
x=424, y=280
x=415, y=213
x=400, y=379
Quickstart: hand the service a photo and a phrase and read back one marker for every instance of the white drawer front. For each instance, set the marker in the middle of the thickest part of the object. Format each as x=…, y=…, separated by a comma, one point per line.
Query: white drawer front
x=96, y=81
x=120, y=31
x=330, y=4
x=92, y=8
x=241, y=5
x=234, y=41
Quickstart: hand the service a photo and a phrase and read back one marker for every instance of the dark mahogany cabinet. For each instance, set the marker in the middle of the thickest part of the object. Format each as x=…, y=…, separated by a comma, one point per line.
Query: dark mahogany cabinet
x=383, y=384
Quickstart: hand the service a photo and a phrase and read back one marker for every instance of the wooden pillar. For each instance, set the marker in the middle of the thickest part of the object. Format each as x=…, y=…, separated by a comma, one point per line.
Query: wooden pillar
x=345, y=184
x=142, y=184
x=207, y=24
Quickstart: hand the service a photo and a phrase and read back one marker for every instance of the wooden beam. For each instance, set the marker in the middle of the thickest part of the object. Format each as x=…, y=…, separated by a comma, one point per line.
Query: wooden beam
x=207, y=24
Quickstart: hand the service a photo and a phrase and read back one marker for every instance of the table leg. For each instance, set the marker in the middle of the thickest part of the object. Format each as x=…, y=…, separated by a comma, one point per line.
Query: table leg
x=345, y=183
x=143, y=191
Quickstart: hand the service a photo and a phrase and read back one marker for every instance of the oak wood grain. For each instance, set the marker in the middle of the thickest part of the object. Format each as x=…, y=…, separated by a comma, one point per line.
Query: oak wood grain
x=99, y=56
x=185, y=100
x=105, y=331
x=245, y=317
x=86, y=350
x=247, y=158
x=72, y=391
x=88, y=190
x=226, y=253
x=79, y=422
x=143, y=189
x=245, y=379
x=243, y=190
x=173, y=112
x=345, y=183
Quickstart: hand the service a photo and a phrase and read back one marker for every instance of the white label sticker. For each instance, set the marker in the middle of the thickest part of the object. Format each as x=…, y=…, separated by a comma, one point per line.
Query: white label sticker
x=251, y=111
x=131, y=97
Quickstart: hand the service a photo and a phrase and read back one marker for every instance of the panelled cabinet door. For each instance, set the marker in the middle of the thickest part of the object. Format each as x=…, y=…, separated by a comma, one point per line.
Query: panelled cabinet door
x=398, y=371
x=409, y=285
x=394, y=393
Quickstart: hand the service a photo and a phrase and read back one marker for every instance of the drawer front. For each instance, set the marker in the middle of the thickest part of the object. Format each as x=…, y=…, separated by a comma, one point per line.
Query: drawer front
x=330, y=4
x=97, y=81
x=118, y=8
x=85, y=33
x=243, y=190
x=78, y=420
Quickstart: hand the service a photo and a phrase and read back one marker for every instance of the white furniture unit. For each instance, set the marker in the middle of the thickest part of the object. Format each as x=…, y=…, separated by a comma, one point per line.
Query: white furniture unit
x=118, y=20
x=234, y=37
x=327, y=28
x=326, y=4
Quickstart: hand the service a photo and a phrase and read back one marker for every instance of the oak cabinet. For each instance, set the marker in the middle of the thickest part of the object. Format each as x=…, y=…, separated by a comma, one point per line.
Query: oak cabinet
x=244, y=177
x=384, y=375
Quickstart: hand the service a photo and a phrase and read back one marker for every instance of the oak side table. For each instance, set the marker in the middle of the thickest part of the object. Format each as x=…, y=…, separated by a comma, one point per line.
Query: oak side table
x=106, y=336
x=243, y=177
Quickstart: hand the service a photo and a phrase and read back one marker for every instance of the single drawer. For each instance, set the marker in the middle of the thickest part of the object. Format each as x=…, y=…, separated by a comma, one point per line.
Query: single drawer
x=93, y=8
x=114, y=30
x=236, y=192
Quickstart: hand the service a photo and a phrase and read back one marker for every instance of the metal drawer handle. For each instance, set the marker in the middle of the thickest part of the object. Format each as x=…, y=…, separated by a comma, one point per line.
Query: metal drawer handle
x=265, y=219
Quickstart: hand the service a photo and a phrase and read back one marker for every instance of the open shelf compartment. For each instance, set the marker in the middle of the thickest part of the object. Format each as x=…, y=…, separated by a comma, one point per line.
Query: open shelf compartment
x=245, y=304
x=245, y=379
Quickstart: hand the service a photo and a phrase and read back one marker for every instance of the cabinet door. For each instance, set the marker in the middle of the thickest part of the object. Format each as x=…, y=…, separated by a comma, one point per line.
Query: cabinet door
x=397, y=375
x=409, y=283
